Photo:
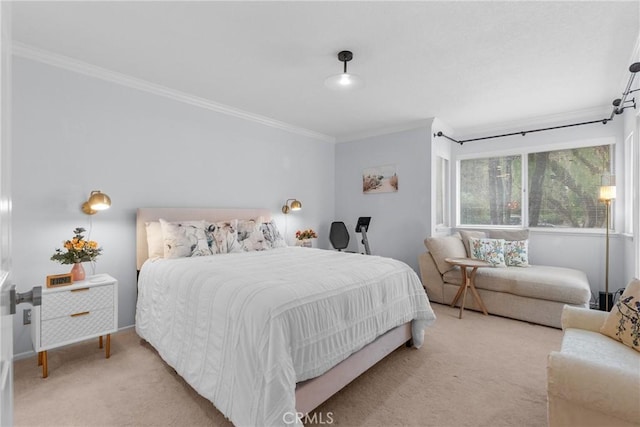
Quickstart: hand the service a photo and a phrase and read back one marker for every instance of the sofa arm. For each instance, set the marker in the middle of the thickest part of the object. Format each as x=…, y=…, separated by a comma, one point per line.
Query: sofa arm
x=431, y=278
x=607, y=389
x=583, y=318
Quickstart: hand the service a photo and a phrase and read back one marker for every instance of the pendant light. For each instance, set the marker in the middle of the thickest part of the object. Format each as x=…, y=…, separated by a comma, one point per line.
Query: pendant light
x=344, y=81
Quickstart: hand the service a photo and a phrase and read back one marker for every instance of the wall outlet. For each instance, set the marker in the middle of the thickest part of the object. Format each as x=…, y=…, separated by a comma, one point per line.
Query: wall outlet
x=26, y=317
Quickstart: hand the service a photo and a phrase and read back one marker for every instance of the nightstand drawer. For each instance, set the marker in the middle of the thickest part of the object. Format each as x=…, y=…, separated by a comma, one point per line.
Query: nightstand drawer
x=61, y=304
x=77, y=326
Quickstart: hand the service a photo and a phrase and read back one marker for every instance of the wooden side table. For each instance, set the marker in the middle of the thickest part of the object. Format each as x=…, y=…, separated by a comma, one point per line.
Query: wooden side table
x=468, y=281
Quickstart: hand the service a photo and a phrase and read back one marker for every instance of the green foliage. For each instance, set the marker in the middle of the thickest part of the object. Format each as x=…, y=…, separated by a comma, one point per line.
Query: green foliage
x=77, y=249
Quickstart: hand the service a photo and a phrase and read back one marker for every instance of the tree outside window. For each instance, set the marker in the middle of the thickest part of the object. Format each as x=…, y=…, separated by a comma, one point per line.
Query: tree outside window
x=562, y=189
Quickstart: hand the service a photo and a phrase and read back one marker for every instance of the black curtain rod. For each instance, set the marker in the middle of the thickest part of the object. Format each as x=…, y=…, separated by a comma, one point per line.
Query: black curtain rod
x=618, y=108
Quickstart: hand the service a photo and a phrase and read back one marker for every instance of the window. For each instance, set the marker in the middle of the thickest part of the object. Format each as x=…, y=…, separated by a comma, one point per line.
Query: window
x=562, y=188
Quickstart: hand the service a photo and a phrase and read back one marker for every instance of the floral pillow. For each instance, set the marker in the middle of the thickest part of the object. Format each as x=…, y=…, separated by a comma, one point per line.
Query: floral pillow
x=490, y=250
x=272, y=235
x=222, y=237
x=184, y=239
x=250, y=235
x=623, y=322
x=516, y=253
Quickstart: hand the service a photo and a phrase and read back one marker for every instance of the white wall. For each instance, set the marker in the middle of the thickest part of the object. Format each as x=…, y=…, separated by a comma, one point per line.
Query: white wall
x=582, y=250
x=74, y=134
x=401, y=220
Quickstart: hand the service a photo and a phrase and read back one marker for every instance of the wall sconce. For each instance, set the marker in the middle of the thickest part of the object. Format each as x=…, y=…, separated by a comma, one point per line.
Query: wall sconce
x=295, y=206
x=607, y=193
x=98, y=201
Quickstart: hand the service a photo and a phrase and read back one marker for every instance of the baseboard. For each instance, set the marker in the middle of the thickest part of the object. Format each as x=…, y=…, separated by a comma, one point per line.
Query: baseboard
x=32, y=353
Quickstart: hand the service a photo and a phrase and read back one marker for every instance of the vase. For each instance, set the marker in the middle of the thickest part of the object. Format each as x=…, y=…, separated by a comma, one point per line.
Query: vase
x=77, y=272
x=306, y=243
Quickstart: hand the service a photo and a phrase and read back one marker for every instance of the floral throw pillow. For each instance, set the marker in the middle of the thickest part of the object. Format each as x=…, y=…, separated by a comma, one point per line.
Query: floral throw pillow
x=184, y=239
x=272, y=235
x=516, y=253
x=250, y=235
x=222, y=237
x=623, y=322
x=490, y=250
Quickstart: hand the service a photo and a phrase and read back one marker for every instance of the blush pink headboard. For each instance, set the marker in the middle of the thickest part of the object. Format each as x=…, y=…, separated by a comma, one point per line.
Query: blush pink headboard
x=144, y=215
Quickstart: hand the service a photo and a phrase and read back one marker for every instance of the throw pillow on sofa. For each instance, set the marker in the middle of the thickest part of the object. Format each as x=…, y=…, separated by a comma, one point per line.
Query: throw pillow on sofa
x=623, y=323
x=490, y=250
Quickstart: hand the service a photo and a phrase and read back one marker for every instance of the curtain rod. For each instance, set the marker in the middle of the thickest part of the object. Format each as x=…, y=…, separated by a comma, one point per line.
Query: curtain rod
x=618, y=108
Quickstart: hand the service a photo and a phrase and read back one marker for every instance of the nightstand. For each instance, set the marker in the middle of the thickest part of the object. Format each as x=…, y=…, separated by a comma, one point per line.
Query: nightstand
x=70, y=314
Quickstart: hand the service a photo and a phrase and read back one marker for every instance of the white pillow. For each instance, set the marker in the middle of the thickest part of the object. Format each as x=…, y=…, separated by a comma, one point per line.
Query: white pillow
x=184, y=239
x=490, y=250
x=155, y=241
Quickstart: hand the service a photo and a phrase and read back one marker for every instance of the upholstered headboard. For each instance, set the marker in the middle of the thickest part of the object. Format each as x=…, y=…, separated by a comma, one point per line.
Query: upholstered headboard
x=185, y=214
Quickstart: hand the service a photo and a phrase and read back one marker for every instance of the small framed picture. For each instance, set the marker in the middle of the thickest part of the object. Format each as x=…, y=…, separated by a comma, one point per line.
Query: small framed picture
x=380, y=179
x=56, y=280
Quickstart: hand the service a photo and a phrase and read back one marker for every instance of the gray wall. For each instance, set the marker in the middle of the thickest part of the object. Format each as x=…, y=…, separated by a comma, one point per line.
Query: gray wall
x=74, y=134
x=401, y=220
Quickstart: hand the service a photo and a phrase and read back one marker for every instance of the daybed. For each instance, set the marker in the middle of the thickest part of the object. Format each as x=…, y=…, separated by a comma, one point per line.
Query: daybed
x=260, y=329
x=594, y=380
x=533, y=293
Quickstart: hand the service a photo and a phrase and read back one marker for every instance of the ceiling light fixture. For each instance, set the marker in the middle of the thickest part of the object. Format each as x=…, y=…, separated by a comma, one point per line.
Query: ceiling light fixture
x=344, y=81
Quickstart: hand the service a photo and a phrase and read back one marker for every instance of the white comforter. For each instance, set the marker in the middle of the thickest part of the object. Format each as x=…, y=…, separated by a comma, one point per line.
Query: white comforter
x=242, y=329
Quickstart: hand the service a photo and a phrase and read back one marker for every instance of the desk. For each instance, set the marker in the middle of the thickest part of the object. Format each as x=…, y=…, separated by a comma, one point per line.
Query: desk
x=468, y=281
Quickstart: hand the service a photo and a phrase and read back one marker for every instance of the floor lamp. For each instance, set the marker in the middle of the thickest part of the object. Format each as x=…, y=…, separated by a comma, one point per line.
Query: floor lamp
x=607, y=195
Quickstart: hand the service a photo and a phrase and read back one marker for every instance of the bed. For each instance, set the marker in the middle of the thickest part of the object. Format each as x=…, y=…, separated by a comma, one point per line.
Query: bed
x=265, y=335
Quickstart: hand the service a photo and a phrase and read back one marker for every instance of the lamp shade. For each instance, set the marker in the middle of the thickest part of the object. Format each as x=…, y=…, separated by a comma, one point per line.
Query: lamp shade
x=345, y=80
x=98, y=201
x=607, y=192
x=295, y=205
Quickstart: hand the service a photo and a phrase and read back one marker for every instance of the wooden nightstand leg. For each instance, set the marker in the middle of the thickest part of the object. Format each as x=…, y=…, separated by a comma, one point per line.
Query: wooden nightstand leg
x=108, y=349
x=39, y=358
x=100, y=342
x=45, y=368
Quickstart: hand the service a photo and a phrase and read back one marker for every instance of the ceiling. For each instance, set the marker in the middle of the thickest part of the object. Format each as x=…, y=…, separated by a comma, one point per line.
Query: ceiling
x=471, y=64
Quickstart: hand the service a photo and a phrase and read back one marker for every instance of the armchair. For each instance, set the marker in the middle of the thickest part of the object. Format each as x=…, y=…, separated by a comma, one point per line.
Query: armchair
x=593, y=380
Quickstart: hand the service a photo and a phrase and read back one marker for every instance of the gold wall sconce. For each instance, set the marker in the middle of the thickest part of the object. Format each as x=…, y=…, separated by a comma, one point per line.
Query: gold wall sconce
x=294, y=206
x=98, y=201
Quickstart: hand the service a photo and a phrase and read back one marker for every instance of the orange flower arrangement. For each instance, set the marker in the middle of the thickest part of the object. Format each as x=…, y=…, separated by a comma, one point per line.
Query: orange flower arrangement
x=306, y=234
x=78, y=249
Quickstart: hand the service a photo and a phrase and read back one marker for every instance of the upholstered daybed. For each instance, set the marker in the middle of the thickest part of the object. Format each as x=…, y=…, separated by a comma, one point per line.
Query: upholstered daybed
x=533, y=293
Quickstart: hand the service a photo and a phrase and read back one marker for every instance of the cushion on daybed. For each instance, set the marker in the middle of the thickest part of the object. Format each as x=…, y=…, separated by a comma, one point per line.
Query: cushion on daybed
x=445, y=247
x=537, y=281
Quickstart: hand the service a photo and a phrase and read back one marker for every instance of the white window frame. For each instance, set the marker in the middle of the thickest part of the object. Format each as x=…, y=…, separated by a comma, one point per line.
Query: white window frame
x=524, y=152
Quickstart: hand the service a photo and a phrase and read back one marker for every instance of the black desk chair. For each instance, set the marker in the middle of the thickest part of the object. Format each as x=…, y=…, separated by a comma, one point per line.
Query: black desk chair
x=339, y=235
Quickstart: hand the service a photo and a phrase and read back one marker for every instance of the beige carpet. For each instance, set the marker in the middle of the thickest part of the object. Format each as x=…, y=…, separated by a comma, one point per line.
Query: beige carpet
x=477, y=371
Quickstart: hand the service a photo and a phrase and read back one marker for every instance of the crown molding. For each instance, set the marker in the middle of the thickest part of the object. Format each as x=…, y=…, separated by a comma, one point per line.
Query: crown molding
x=594, y=113
x=29, y=52
x=386, y=130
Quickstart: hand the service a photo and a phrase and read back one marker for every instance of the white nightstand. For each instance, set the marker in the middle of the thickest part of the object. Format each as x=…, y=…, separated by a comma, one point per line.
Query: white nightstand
x=69, y=314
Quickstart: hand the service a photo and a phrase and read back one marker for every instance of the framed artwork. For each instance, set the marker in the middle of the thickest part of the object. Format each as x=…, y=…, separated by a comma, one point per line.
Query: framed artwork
x=380, y=179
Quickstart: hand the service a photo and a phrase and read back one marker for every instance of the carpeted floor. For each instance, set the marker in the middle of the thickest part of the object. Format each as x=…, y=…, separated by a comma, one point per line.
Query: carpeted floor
x=475, y=371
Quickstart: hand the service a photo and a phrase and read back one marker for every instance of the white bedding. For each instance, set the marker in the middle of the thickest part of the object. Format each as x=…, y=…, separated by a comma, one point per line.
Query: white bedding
x=243, y=328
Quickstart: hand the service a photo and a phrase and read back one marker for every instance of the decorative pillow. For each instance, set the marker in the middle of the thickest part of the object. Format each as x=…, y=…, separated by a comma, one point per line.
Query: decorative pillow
x=222, y=237
x=184, y=239
x=490, y=250
x=520, y=234
x=623, y=323
x=250, y=236
x=468, y=234
x=516, y=253
x=272, y=235
x=155, y=241
x=445, y=247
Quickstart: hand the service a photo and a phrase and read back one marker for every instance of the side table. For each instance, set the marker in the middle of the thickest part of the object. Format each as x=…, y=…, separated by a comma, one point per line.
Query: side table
x=468, y=281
